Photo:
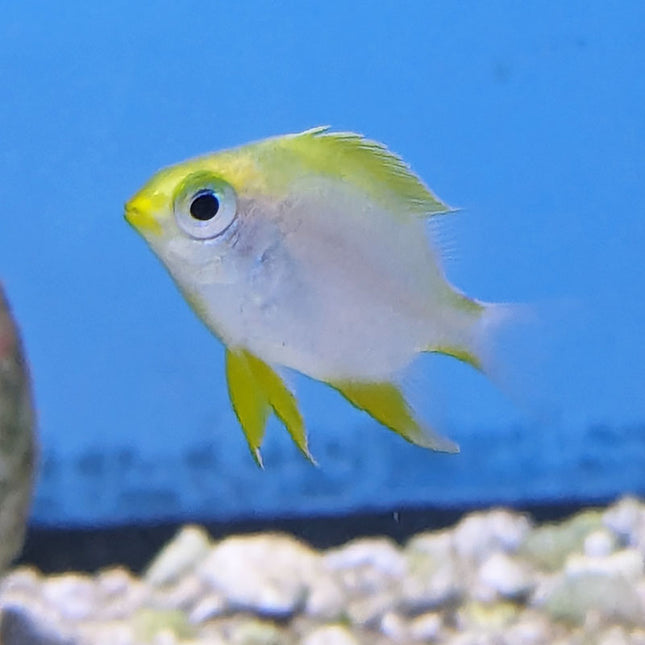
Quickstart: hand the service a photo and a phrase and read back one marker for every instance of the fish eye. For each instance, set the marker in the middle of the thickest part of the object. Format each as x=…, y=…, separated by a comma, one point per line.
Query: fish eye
x=205, y=205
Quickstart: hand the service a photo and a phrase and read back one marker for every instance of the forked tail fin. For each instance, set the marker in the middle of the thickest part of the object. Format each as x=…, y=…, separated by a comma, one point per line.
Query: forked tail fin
x=504, y=341
x=476, y=332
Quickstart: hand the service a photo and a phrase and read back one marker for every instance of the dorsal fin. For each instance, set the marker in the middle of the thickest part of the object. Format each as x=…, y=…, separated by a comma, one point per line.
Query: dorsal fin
x=369, y=165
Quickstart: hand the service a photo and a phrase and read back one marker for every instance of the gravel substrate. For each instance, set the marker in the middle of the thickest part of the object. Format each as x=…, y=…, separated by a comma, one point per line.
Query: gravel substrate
x=493, y=578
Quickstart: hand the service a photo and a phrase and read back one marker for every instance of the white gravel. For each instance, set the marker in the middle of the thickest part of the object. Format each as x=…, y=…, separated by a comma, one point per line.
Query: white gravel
x=493, y=579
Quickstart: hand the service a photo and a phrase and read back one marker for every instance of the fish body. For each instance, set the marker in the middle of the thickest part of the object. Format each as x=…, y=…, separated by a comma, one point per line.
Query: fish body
x=309, y=251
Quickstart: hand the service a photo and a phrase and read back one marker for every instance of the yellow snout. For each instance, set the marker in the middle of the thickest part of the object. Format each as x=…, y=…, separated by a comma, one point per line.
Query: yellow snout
x=138, y=213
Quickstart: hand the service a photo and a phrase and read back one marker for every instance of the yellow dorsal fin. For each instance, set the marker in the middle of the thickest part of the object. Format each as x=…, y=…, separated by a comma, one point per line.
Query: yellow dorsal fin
x=367, y=164
x=255, y=389
x=385, y=403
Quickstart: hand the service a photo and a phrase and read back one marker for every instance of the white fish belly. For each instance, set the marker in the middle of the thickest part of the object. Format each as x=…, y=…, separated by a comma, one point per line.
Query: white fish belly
x=347, y=290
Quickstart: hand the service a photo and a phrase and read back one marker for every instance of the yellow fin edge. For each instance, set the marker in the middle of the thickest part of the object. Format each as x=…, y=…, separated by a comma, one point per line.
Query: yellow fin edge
x=459, y=353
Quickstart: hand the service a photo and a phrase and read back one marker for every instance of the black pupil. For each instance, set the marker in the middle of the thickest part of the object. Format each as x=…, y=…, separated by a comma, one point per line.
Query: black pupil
x=204, y=206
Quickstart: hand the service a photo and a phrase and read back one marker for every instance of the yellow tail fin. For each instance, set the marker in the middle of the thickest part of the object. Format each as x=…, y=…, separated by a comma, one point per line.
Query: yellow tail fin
x=477, y=330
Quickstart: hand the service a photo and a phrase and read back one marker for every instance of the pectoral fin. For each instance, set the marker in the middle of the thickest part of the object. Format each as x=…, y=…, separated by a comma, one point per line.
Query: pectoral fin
x=385, y=403
x=255, y=389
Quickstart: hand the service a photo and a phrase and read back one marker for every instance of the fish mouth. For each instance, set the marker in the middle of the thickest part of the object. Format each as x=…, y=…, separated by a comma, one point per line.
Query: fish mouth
x=138, y=214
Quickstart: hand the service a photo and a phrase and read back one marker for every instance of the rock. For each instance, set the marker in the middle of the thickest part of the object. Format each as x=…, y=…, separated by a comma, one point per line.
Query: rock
x=207, y=608
x=119, y=593
x=368, y=610
x=640, y=590
x=367, y=565
x=479, y=534
x=188, y=548
x=627, y=563
x=503, y=576
x=431, y=583
x=17, y=438
x=427, y=627
x=268, y=574
x=365, y=573
x=623, y=518
x=330, y=635
x=183, y=595
x=114, y=581
x=109, y=633
x=637, y=637
x=626, y=519
x=600, y=543
x=395, y=627
x=434, y=576
x=23, y=579
x=26, y=610
x=488, y=617
x=327, y=599
x=547, y=547
x=149, y=623
x=274, y=590
x=437, y=544
x=615, y=636
x=257, y=632
x=18, y=626
x=211, y=635
x=612, y=598
x=530, y=628
x=476, y=637
x=74, y=596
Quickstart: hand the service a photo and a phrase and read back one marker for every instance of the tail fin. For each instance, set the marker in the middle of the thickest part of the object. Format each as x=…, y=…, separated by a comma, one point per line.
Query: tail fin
x=509, y=343
x=488, y=336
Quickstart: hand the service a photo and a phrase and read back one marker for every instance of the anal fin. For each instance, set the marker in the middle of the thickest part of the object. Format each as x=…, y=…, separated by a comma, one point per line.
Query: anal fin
x=385, y=403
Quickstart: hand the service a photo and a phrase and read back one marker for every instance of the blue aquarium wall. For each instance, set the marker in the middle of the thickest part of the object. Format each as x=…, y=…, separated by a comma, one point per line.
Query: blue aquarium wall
x=527, y=117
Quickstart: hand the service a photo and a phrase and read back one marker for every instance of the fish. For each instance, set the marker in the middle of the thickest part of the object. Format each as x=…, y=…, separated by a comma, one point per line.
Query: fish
x=310, y=252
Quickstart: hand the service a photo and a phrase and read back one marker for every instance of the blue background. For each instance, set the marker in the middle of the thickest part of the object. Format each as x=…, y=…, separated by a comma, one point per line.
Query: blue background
x=528, y=116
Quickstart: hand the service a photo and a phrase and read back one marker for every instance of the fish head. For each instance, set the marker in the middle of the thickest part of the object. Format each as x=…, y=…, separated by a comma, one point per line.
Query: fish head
x=207, y=219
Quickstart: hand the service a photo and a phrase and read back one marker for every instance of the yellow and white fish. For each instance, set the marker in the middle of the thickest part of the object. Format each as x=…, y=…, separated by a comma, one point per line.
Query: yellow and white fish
x=309, y=251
